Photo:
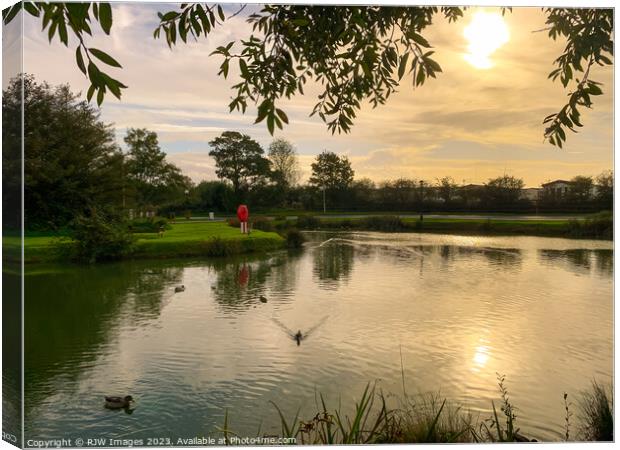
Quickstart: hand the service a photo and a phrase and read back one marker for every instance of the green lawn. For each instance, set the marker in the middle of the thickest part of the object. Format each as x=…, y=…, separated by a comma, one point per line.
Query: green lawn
x=189, y=239
x=183, y=239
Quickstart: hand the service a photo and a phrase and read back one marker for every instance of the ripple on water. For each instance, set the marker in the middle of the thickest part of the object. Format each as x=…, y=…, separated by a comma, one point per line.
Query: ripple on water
x=455, y=309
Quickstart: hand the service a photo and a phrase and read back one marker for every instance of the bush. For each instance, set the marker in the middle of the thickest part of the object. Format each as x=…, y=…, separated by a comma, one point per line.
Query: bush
x=294, y=239
x=262, y=223
x=600, y=226
x=148, y=225
x=221, y=247
x=97, y=238
x=308, y=222
x=234, y=222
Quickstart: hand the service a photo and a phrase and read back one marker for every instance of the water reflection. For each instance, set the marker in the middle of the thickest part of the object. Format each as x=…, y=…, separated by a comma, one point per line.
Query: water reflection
x=581, y=260
x=240, y=284
x=72, y=313
x=188, y=357
x=333, y=264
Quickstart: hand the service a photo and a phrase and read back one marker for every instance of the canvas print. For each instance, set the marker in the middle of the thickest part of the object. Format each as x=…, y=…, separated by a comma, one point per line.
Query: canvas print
x=254, y=224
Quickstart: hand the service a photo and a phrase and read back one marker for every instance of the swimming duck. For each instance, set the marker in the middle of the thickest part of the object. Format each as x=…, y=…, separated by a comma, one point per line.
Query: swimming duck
x=118, y=402
x=179, y=288
x=263, y=299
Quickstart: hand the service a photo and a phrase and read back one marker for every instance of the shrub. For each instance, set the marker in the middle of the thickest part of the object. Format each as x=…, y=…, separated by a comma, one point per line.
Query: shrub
x=294, y=239
x=308, y=222
x=187, y=214
x=600, y=226
x=262, y=223
x=220, y=247
x=97, y=238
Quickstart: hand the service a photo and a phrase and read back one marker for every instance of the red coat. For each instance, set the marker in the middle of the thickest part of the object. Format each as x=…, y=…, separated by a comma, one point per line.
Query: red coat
x=243, y=213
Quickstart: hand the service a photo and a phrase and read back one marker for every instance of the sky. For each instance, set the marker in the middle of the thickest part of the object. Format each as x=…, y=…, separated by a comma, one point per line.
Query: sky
x=481, y=118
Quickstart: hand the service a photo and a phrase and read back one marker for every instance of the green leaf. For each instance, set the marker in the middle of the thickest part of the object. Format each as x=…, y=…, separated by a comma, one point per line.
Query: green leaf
x=52, y=30
x=403, y=65
x=113, y=85
x=224, y=68
x=593, y=89
x=31, y=8
x=94, y=74
x=434, y=65
x=10, y=13
x=104, y=57
x=420, y=78
x=80, y=60
x=100, y=94
x=105, y=17
x=244, y=68
x=301, y=22
x=270, y=123
x=62, y=32
x=282, y=115
x=91, y=91
x=418, y=39
x=220, y=12
x=170, y=15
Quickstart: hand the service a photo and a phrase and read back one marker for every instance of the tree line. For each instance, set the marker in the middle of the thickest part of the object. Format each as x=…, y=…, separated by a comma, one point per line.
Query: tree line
x=73, y=167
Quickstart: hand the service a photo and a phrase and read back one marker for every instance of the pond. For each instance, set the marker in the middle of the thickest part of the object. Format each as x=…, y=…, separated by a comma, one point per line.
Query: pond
x=455, y=310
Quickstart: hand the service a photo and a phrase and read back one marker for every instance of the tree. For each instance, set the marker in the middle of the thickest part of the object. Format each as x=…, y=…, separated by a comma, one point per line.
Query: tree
x=355, y=53
x=503, y=191
x=331, y=171
x=72, y=164
x=155, y=180
x=284, y=164
x=215, y=196
x=239, y=159
x=403, y=191
x=362, y=191
x=605, y=189
x=447, y=189
x=581, y=188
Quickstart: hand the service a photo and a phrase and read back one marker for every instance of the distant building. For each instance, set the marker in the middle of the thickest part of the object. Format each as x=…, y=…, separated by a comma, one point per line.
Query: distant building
x=558, y=188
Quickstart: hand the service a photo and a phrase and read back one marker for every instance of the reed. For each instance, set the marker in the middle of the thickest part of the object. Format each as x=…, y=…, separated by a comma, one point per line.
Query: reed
x=431, y=418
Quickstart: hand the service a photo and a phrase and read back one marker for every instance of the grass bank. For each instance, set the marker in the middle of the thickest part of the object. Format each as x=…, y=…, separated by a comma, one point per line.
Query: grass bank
x=594, y=227
x=181, y=240
x=432, y=419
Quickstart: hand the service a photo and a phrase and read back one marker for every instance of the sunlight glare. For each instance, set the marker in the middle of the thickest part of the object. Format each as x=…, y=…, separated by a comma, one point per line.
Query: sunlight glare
x=480, y=357
x=486, y=33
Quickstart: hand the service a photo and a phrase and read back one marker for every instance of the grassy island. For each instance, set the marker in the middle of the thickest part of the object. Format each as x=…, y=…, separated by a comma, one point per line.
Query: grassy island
x=183, y=239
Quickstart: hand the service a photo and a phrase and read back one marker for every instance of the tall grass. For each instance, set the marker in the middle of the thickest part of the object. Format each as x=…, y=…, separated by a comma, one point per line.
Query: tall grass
x=596, y=414
x=430, y=418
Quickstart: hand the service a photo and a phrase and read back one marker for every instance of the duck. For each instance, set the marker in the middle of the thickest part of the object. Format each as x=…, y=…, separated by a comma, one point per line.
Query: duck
x=298, y=337
x=263, y=299
x=179, y=288
x=112, y=402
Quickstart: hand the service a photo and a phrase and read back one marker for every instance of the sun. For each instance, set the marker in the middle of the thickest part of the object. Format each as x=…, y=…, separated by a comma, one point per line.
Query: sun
x=485, y=34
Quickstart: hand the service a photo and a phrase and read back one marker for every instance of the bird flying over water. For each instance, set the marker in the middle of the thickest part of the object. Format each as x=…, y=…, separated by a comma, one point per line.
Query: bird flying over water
x=299, y=336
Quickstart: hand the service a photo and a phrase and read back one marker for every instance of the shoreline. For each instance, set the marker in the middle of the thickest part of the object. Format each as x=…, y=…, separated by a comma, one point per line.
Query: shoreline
x=598, y=229
x=217, y=239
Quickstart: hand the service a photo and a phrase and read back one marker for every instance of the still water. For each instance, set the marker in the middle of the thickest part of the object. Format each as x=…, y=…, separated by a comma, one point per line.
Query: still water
x=458, y=309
